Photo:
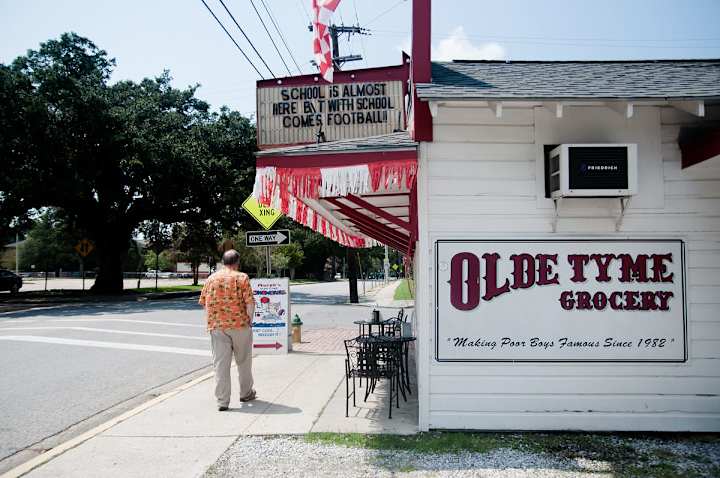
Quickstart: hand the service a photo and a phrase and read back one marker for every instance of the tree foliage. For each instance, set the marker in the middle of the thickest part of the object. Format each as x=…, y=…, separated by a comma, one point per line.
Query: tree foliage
x=288, y=257
x=114, y=155
x=196, y=242
x=50, y=243
x=163, y=262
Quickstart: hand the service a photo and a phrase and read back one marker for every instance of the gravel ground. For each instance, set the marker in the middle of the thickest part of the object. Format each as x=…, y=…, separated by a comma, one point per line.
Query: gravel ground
x=293, y=456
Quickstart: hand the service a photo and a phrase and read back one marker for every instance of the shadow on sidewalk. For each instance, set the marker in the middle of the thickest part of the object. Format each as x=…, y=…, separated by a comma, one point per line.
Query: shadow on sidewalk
x=262, y=407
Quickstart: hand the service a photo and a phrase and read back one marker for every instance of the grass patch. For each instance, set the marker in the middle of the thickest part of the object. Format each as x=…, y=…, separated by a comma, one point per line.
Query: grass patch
x=172, y=288
x=626, y=455
x=431, y=442
x=404, y=290
x=303, y=281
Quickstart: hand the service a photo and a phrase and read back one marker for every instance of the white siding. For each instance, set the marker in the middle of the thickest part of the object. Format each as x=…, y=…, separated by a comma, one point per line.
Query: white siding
x=482, y=177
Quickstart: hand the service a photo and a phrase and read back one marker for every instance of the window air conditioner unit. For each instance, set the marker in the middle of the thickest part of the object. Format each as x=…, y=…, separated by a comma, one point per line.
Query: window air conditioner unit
x=593, y=170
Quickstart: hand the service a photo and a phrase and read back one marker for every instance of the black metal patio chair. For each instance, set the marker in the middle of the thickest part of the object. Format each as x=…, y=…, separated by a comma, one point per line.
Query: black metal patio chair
x=373, y=358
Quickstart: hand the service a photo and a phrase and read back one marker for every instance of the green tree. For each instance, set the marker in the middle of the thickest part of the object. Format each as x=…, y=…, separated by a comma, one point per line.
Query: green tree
x=288, y=257
x=196, y=242
x=114, y=156
x=164, y=262
x=50, y=245
x=251, y=258
x=317, y=249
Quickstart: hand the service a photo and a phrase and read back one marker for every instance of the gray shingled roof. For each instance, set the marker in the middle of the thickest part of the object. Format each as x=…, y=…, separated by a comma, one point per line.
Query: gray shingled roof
x=392, y=141
x=676, y=79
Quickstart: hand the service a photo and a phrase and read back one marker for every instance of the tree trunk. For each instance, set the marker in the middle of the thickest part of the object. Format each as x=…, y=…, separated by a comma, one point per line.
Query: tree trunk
x=195, y=273
x=352, y=276
x=111, y=250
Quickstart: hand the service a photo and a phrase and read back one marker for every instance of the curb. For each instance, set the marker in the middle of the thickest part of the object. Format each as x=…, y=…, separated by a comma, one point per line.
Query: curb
x=42, y=459
x=20, y=306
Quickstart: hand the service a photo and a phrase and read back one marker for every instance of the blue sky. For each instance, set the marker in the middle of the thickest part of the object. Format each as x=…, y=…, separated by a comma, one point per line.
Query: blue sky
x=151, y=35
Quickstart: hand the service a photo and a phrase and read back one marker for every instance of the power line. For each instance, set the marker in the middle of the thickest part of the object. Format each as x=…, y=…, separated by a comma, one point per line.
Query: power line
x=385, y=12
x=231, y=38
x=246, y=37
x=307, y=15
x=270, y=36
x=362, y=42
x=560, y=42
x=272, y=19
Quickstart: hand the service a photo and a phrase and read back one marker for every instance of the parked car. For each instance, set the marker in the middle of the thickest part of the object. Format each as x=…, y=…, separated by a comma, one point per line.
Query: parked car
x=10, y=281
x=161, y=275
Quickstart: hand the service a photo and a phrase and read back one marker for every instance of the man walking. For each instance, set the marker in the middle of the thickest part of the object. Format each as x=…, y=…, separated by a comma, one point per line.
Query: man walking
x=229, y=303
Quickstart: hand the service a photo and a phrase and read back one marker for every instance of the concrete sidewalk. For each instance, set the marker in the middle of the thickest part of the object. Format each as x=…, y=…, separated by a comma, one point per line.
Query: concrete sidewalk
x=182, y=434
x=385, y=297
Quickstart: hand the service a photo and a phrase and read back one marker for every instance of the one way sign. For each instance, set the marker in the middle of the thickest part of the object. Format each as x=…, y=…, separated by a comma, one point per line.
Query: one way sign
x=267, y=238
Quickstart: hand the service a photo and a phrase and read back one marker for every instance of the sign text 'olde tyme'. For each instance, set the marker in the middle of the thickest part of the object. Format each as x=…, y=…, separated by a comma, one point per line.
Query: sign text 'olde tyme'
x=557, y=300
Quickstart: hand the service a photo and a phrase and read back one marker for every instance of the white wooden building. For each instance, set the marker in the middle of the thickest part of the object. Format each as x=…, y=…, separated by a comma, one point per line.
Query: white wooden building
x=537, y=309
x=482, y=178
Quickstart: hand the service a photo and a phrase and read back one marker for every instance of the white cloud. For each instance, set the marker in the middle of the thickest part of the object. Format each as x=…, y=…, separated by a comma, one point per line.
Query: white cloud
x=459, y=47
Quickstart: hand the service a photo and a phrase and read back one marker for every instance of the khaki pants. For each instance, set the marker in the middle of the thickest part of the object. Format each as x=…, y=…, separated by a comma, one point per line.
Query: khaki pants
x=225, y=344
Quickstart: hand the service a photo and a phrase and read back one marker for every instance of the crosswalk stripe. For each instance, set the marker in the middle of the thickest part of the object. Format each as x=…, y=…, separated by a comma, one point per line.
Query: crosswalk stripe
x=109, y=331
x=106, y=345
x=134, y=321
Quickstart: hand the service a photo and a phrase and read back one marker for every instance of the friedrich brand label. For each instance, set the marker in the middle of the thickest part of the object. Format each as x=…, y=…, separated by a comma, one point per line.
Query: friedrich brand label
x=560, y=301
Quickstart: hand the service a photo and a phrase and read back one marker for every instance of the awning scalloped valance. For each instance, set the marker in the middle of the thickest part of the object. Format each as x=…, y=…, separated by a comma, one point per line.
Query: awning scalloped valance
x=284, y=188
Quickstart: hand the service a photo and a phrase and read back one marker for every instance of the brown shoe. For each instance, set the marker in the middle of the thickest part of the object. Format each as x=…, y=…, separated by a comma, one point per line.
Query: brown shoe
x=249, y=397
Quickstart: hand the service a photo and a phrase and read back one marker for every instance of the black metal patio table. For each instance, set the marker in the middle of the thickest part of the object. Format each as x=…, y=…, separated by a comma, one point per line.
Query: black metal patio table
x=378, y=357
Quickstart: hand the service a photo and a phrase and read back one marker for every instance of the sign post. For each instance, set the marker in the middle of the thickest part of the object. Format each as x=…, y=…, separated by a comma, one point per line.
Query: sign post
x=84, y=247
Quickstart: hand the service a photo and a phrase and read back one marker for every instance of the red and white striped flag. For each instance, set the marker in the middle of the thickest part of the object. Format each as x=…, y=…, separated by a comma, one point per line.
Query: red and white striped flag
x=323, y=10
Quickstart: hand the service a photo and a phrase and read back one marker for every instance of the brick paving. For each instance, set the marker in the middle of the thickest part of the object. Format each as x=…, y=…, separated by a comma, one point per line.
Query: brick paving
x=325, y=341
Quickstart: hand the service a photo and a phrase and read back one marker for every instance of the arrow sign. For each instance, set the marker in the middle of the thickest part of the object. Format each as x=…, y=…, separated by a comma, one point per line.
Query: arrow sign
x=267, y=238
x=275, y=346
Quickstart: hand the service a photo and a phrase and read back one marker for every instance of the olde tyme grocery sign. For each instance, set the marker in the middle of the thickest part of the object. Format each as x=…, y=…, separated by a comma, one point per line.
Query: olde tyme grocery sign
x=560, y=300
x=297, y=114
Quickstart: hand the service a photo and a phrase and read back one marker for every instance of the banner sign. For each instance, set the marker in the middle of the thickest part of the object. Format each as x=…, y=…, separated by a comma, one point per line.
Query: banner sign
x=272, y=312
x=296, y=114
x=560, y=301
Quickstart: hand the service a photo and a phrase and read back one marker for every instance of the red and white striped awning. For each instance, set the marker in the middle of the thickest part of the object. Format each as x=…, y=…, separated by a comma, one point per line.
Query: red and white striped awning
x=356, y=192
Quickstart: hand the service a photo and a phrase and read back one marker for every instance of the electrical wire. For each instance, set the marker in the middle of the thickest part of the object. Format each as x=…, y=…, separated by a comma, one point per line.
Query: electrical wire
x=270, y=36
x=362, y=42
x=246, y=37
x=231, y=38
x=272, y=19
x=579, y=42
x=307, y=15
x=385, y=12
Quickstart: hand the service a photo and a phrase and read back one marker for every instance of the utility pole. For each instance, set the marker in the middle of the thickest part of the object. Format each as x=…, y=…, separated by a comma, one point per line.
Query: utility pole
x=386, y=265
x=17, y=254
x=335, y=32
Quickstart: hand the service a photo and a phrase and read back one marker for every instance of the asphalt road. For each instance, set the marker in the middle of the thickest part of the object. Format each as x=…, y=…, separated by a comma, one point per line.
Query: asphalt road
x=38, y=283
x=66, y=369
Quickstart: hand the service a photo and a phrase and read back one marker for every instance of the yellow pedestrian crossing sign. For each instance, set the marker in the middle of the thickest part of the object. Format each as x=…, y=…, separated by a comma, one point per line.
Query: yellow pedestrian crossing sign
x=84, y=247
x=265, y=216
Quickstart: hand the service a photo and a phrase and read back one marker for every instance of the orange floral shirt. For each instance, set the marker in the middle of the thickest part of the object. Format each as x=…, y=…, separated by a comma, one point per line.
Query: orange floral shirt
x=225, y=296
